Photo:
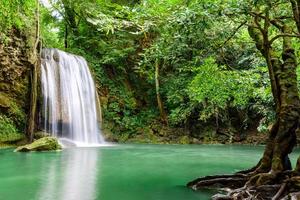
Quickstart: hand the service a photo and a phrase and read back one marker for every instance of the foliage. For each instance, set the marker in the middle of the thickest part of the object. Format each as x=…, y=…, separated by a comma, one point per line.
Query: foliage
x=209, y=68
x=13, y=111
x=208, y=64
x=49, y=30
x=218, y=88
x=8, y=130
x=16, y=13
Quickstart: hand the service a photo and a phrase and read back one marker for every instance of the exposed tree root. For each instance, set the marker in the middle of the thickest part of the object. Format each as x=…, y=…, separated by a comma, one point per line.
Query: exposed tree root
x=265, y=186
x=251, y=170
x=231, y=181
x=292, y=196
x=280, y=192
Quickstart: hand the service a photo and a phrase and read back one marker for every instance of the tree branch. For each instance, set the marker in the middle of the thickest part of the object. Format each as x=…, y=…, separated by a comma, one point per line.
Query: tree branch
x=296, y=12
x=233, y=34
x=283, y=35
x=275, y=22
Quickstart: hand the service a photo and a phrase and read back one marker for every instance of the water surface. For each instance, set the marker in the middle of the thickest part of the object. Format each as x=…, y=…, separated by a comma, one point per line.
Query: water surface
x=127, y=172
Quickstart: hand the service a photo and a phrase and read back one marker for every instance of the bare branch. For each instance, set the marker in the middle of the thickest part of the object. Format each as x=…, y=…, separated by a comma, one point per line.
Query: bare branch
x=233, y=34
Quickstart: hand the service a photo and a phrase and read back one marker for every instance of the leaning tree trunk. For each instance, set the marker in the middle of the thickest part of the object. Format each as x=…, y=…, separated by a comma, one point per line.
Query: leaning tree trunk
x=283, y=77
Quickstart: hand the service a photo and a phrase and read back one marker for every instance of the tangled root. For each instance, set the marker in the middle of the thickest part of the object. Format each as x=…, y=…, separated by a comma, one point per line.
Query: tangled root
x=264, y=186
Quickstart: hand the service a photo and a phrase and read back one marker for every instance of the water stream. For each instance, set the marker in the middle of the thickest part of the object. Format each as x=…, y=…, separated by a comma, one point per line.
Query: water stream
x=70, y=109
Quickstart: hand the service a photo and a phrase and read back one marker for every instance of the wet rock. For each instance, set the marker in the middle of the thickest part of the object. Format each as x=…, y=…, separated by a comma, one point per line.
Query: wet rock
x=196, y=141
x=43, y=144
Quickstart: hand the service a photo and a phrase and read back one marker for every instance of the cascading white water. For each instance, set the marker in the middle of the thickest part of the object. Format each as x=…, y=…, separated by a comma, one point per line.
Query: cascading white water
x=69, y=109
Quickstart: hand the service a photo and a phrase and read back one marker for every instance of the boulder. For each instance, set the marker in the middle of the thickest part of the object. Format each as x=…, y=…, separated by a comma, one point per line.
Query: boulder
x=43, y=144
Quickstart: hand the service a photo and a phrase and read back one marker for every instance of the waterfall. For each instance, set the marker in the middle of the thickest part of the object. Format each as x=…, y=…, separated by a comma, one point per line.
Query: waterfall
x=70, y=107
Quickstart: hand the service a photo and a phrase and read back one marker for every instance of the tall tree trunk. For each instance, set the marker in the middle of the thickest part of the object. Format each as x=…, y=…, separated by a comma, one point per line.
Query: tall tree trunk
x=33, y=78
x=66, y=36
x=70, y=16
x=282, y=138
x=217, y=119
x=296, y=14
x=160, y=104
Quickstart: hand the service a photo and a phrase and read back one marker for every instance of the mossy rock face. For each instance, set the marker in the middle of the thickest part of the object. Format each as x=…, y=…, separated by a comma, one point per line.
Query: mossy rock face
x=43, y=144
x=16, y=63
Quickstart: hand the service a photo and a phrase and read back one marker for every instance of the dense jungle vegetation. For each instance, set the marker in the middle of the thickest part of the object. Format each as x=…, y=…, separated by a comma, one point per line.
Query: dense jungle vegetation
x=168, y=71
x=182, y=71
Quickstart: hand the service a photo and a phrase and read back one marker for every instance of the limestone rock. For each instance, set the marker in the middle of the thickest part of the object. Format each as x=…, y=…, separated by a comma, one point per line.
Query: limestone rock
x=43, y=144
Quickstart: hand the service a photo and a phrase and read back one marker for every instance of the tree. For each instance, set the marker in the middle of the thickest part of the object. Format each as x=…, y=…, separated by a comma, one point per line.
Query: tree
x=272, y=25
x=160, y=104
x=34, y=77
x=282, y=71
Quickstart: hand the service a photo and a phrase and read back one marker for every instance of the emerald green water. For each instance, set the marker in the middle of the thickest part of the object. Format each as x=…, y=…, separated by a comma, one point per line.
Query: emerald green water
x=127, y=172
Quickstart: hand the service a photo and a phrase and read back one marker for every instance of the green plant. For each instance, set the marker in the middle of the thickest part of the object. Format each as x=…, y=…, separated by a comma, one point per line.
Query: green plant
x=8, y=131
x=16, y=13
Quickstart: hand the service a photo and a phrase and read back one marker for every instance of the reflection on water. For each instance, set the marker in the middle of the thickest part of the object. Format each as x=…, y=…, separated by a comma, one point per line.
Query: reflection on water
x=49, y=187
x=78, y=177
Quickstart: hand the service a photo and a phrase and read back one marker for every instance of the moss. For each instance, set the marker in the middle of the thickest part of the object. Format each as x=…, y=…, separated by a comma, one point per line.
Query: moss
x=12, y=110
x=5, y=101
x=21, y=89
x=43, y=144
x=123, y=138
x=6, y=145
x=4, y=87
x=12, y=137
x=18, y=115
x=184, y=140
